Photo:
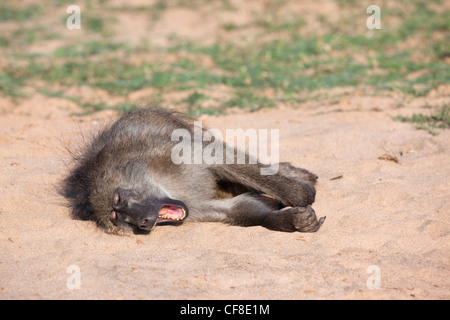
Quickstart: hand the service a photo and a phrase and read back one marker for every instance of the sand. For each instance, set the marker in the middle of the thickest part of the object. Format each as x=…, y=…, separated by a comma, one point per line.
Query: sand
x=387, y=231
x=386, y=236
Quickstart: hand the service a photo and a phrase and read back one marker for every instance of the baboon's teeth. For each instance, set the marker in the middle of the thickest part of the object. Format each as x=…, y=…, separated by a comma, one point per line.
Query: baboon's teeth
x=168, y=217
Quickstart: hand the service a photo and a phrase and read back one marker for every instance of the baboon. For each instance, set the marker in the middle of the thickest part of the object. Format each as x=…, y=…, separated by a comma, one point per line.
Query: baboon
x=125, y=179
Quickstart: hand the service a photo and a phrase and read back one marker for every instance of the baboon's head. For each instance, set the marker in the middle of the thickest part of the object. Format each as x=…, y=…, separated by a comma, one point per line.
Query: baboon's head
x=126, y=197
x=144, y=211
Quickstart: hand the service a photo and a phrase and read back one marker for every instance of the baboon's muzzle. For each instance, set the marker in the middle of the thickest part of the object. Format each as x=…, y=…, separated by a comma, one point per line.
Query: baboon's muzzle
x=145, y=212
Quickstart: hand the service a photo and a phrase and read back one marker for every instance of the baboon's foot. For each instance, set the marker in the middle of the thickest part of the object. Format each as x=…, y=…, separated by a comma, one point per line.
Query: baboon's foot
x=303, y=219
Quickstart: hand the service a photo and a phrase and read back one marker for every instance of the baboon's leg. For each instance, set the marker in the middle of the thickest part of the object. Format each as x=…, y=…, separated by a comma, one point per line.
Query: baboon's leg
x=288, y=170
x=291, y=192
x=254, y=209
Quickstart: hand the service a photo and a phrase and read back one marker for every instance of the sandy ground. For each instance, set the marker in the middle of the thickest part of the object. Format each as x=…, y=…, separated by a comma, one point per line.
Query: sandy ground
x=395, y=216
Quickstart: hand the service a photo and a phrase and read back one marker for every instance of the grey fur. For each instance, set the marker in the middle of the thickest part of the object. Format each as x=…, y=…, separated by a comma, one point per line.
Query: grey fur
x=130, y=160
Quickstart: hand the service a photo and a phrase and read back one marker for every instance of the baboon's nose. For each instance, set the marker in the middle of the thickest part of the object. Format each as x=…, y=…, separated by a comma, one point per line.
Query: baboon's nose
x=145, y=225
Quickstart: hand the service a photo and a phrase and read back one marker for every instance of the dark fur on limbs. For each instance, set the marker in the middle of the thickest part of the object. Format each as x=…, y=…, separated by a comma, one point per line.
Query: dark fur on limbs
x=126, y=171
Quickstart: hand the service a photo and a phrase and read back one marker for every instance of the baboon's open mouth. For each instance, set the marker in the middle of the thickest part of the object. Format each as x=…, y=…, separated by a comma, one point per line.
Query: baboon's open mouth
x=170, y=213
x=129, y=207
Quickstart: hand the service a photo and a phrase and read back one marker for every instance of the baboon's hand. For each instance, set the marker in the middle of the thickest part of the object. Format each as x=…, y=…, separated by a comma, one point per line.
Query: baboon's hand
x=303, y=219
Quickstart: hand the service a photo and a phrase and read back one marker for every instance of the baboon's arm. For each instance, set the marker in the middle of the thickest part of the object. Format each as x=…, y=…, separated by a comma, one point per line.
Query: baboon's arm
x=291, y=192
x=250, y=209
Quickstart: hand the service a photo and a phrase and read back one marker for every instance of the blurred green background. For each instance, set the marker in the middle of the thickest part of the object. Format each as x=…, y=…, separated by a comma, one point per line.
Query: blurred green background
x=204, y=57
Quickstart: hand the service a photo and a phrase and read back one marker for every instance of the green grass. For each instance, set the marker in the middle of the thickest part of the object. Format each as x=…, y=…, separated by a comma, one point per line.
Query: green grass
x=88, y=49
x=437, y=119
x=4, y=42
x=95, y=24
x=8, y=13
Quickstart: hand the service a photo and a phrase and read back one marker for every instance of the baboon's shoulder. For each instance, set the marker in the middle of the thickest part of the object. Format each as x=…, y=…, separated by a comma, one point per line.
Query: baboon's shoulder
x=146, y=123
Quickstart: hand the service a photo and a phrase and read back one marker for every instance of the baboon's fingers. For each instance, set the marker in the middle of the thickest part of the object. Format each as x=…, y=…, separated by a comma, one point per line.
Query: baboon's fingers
x=305, y=220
